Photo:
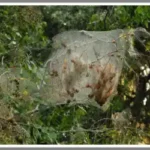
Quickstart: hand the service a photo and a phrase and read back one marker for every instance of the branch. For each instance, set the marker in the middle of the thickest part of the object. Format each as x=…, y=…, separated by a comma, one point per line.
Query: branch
x=106, y=18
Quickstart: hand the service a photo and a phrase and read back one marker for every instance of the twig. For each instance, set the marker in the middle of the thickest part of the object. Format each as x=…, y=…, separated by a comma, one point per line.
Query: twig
x=131, y=68
x=33, y=111
x=85, y=130
x=4, y=73
x=3, y=60
x=106, y=18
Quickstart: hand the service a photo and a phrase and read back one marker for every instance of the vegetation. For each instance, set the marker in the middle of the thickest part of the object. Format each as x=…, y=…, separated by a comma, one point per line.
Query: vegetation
x=26, y=117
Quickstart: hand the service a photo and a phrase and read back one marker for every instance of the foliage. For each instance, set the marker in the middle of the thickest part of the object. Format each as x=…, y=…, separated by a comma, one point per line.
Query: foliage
x=120, y=17
x=62, y=18
x=22, y=29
